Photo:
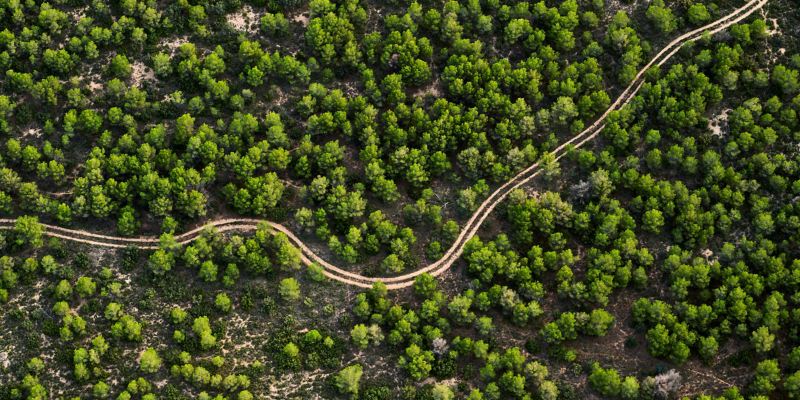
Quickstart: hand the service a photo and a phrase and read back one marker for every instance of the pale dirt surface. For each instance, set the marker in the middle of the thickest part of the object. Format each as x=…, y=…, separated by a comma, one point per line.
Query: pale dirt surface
x=141, y=73
x=95, y=86
x=172, y=44
x=301, y=19
x=773, y=27
x=433, y=89
x=287, y=386
x=718, y=125
x=32, y=132
x=471, y=227
x=78, y=13
x=614, y=6
x=775, y=56
x=92, y=79
x=244, y=20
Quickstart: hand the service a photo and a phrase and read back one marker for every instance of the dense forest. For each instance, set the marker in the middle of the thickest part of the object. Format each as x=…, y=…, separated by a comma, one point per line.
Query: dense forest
x=418, y=200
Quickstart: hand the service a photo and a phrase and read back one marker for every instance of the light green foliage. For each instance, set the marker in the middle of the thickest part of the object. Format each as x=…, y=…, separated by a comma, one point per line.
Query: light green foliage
x=416, y=362
x=661, y=17
x=202, y=329
x=85, y=286
x=442, y=392
x=120, y=66
x=274, y=24
x=347, y=380
x=100, y=390
x=178, y=315
x=606, y=381
x=223, y=302
x=113, y=311
x=149, y=361
x=698, y=14
x=762, y=339
x=29, y=231
x=289, y=289
x=63, y=290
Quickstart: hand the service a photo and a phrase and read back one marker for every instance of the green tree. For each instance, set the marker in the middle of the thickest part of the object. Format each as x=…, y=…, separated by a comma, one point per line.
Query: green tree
x=29, y=231
x=563, y=111
x=659, y=342
x=100, y=390
x=202, y=328
x=698, y=14
x=223, y=302
x=63, y=290
x=425, y=285
x=548, y=390
x=762, y=339
x=85, y=286
x=58, y=61
x=120, y=67
x=484, y=325
x=459, y=308
x=274, y=24
x=767, y=375
x=393, y=89
x=149, y=361
x=161, y=261
x=653, y=220
x=606, y=381
x=289, y=289
x=629, y=388
x=128, y=328
x=599, y=322
x=792, y=385
x=601, y=183
x=291, y=353
x=113, y=311
x=127, y=224
x=417, y=362
x=360, y=336
x=393, y=263
x=347, y=381
x=707, y=347
x=517, y=29
x=661, y=17
x=178, y=315
x=442, y=392
x=208, y=271
x=162, y=65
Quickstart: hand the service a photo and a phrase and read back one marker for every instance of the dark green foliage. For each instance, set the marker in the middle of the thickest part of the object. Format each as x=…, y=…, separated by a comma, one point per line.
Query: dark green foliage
x=315, y=350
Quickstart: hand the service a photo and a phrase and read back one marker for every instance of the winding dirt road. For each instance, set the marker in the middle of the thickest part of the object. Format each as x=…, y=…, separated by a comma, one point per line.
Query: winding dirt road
x=472, y=225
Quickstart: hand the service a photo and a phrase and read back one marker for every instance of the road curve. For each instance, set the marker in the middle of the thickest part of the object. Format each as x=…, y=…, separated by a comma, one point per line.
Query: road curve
x=471, y=227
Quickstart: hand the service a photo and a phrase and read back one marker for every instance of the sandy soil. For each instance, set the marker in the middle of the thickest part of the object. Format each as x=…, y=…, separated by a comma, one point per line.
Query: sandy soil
x=433, y=89
x=173, y=43
x=141, y=73
x=719, y=124
x=301, y=19
x=78, y=13
x=245, y=19
x=773, y=27
x=32, y=132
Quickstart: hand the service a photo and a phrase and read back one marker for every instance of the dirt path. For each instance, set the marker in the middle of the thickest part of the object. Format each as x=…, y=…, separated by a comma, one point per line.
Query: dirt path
x=470, y=228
